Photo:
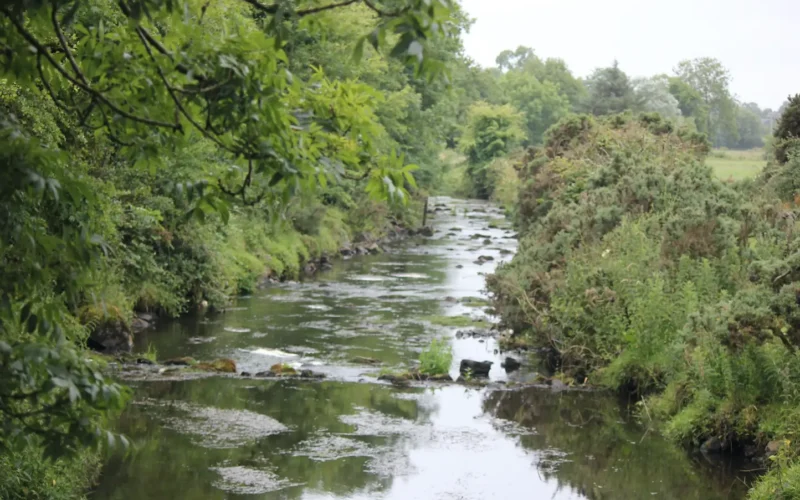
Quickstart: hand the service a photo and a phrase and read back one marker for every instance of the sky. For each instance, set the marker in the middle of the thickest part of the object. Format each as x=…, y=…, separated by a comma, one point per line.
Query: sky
x=757, y=40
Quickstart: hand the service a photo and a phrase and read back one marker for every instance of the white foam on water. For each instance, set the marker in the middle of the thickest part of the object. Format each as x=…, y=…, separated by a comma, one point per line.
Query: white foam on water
x=276, y=353
x=236, y=330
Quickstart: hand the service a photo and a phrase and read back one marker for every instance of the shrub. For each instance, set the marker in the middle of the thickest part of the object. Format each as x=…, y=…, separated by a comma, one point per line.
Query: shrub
x=645, y=273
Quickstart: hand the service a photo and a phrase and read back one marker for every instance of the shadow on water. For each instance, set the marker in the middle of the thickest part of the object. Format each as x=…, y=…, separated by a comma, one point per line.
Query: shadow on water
x=351, y=437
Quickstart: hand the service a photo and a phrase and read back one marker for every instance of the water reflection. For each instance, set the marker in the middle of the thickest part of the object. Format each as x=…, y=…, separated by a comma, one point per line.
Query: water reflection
x=588, y=444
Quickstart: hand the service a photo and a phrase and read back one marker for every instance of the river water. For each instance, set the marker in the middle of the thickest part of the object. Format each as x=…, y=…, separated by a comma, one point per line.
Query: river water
x=351, y=436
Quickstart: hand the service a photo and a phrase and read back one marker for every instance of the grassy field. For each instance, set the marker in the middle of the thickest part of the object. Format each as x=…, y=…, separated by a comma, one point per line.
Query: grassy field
x=735, y=165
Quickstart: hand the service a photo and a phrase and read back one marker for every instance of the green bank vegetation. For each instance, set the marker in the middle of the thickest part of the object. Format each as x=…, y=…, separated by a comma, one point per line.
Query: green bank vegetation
x=646, y=273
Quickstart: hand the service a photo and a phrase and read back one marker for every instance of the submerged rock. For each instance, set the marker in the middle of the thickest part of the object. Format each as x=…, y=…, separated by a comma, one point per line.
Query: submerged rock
x=222, y=365
x=510, y=364
x=478, y=333
x=364, y=360
x=475, y=368
x=403, y=377
x=282, y=370
x=185, y=361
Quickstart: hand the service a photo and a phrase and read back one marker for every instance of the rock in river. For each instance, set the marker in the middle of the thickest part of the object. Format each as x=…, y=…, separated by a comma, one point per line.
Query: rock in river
x=111, y=337
x=511, y=364
x=475, y=368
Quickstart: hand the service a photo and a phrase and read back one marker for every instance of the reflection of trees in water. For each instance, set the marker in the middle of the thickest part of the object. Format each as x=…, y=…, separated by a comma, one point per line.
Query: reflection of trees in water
x=168, y=464
x=586, y=443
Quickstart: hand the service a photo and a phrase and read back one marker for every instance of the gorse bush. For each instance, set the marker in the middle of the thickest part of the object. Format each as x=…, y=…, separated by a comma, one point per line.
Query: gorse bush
x=645, y=273
x=436, y=358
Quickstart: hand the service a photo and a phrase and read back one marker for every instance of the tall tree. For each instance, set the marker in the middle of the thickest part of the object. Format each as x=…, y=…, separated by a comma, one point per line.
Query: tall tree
x=653, y=95
x=609, y=90
x=711, y=80
x=540, y=103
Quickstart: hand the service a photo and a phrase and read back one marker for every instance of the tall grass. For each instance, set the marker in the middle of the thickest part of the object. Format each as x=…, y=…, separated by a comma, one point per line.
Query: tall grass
x=436, y=358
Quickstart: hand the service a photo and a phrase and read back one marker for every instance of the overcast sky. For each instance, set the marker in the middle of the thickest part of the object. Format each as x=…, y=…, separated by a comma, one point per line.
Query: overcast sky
x=757, y=40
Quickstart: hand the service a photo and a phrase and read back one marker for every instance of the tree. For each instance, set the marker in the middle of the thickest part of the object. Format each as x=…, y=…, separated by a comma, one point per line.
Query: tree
x=749, y=126
x=787, y=132
x=690, y=103
x=490, y=132
x=540, y=103
x=654, y=95
x=609, y=91
x=551, y=70
x=711, y=80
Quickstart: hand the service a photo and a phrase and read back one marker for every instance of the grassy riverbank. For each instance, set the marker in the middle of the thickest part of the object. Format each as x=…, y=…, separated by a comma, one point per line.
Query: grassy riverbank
x=647, y=274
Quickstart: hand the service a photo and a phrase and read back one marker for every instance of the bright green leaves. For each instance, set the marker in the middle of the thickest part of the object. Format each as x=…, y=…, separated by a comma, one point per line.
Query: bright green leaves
x=49, y=389
x=391, y=179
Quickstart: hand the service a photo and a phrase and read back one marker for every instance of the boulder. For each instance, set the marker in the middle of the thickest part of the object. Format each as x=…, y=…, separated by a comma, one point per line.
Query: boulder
x=510, y=364
x=281, y=369
x=185, y=361
x=346, y=252
x=111, y=337
x=147, y=316
x=772, y=448
x=310, y=268
x=712, y=445
x=222, y=365
x=425, y=231
x=475, y=368
x=310, y=374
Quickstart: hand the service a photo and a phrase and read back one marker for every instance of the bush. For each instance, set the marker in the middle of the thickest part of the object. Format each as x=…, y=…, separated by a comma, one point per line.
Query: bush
x=436, y=358
x=647, y=274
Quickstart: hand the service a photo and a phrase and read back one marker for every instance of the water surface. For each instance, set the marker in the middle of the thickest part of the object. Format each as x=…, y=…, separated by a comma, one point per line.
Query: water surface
x=353, y=437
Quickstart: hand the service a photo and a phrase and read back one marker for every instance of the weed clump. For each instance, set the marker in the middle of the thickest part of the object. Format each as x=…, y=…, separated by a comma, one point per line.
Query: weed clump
x=436, y=358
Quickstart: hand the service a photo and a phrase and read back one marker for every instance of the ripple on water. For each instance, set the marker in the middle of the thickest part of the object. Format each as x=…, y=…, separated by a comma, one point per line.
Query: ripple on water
x=318, y=307
x=369, y=277
x=236, y=330
x=418, y=276
x=201, y=340
x=215, y=427
x=246, y=481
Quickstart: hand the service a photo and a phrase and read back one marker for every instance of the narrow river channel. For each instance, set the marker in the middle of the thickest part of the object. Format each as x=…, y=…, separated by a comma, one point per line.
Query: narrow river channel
x=351, y=436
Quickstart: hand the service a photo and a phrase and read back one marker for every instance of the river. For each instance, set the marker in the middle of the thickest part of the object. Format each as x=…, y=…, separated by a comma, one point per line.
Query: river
x=351, y=436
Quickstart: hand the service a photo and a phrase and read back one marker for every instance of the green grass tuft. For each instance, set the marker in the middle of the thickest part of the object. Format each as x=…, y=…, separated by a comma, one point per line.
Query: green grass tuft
x=436, y=358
